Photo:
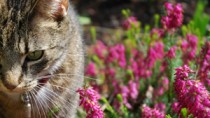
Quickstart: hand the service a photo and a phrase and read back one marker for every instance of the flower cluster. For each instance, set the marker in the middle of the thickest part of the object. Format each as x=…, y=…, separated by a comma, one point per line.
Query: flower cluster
x=189, y=47
x=117, y=53
x=163, y=86
x=140, y=69
x=172, y=52
x=89, y=101
x=148, y=112
x=156, y=52
x=100, y=49
x=191, y=94
x=183, y=72
x=204, y=63
x=128, y=92
x=91, y=69
x=174, y=16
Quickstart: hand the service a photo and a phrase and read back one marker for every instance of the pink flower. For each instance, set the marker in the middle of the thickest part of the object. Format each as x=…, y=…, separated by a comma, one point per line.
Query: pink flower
x=204, y=63
x=172, y=52
x=183, y=72
x=169, y=7
x=191, y=94
x=133, y=87
x=140, y=65
x=134, y=67
x=175, y=107
x=158, y=33
x=159, y=91
x=162, y=87
x=125, y=95
x=117, y=53
x=130, y=22
x=89, y=101
x=189, y=48
x=91, y=69
x=193, y=40
x=166, y=83
x=129, y=93
x=148, y=112
x=156, y=52
x=110, y=72
x=160, y=106
x=174, y=16
x=100, y=49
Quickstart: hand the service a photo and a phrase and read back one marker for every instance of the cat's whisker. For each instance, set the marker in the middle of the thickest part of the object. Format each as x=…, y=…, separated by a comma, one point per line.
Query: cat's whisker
x=40, y=104
x=69, y=90
x=42, y=101
x=46, y=76
x=35, y=102
x=50, y=100
x=48, y=107
x=54, y=94
x=32, y=105
x=63, y=74
x=57, y=96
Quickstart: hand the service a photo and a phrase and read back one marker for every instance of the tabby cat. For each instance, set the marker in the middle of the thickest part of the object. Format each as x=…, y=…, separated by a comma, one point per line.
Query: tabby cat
x=41, y=59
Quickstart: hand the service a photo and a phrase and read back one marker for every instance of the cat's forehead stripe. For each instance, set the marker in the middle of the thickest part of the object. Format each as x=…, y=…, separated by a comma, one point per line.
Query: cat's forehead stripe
x=13, y=21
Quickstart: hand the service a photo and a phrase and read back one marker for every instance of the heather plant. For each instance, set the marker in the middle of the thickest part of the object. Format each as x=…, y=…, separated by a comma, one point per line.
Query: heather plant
x=153, y=72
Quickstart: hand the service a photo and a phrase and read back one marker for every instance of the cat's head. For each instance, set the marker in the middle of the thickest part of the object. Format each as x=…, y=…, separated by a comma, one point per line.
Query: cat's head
x=32, y=43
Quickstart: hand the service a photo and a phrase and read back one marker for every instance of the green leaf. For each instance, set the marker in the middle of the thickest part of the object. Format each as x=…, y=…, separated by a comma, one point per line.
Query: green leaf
x=157, y=19
x=200, y=19
x=126, y=12
x=93, y=33
x=184, y=112
x=84, y=20
x=53, y=111
x=168, y=116
x=110, y=111
x=184, y=30
x=119, y=98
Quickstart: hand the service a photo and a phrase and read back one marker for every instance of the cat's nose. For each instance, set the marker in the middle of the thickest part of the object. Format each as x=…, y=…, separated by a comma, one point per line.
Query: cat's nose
x=10, y=80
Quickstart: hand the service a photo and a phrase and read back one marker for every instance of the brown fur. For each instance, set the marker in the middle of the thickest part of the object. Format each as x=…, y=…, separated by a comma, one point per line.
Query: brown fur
x=53, y=29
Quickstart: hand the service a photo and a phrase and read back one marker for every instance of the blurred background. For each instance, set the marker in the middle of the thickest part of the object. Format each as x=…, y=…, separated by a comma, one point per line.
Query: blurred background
x=106, y=15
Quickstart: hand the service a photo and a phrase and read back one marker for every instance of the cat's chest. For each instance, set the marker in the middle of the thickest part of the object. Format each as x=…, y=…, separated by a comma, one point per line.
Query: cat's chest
x=11, y=106
x=43, y=102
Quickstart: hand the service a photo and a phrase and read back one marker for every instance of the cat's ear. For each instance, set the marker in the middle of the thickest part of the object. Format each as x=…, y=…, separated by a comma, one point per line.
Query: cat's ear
x=55, y=9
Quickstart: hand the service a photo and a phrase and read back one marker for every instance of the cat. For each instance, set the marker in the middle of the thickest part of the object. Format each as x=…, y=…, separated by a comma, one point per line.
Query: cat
x=41, y=59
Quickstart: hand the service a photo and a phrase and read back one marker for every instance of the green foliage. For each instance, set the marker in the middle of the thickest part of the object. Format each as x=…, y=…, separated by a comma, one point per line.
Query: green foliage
x=168, y=116
x=93, y=33
x=110, y=112
x=53, y=111
x=200, y=20
x=157, y=20
x=126, y=12
x=84, y=20
x=184, y=112
x=198, y=25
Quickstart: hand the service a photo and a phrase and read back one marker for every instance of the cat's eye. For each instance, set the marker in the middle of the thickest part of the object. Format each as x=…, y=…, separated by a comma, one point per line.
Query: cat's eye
x=34, y=56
